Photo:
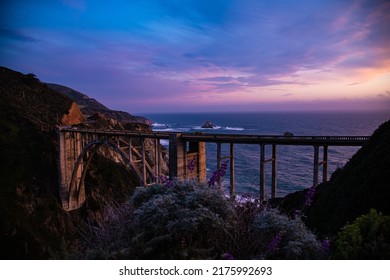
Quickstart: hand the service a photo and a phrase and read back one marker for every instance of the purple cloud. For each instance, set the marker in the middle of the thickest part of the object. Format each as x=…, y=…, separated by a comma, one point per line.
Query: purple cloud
x=133, y=54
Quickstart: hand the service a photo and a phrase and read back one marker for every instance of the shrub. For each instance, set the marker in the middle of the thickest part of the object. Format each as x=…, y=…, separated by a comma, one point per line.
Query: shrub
x=284, y=237
x=367, y=238
x=186, y=221
x=191, y=220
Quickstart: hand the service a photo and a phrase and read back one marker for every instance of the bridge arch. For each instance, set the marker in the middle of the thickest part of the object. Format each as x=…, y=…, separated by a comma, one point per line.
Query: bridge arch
x=76, y=187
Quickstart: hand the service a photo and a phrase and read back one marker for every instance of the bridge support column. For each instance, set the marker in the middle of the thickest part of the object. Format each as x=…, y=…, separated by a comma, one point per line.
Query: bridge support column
x=263, y=161
x=274, y=173
x=262, y=172
x=177, y=148
x=232, y=179
x=72, y=193
x=325, y=165
x=316, y=165
x=196, y=154
x=180, y=158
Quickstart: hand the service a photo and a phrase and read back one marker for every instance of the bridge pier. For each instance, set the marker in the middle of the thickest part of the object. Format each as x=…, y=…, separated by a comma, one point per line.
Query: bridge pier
x=317, y=164
x=72, y=192
x=263, y=162
x=181, y=159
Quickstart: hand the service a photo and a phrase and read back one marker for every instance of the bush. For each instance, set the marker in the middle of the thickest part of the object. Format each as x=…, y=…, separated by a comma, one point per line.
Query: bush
x=367, y=238
x=190, y=220
x=187, y=221
x=284, y=237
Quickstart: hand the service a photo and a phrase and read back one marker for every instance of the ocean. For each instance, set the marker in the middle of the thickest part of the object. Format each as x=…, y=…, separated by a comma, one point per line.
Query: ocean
x=294, y=163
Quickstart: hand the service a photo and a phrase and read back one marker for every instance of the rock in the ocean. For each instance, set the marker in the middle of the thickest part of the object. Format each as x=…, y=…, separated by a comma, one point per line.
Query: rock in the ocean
x=208, y=124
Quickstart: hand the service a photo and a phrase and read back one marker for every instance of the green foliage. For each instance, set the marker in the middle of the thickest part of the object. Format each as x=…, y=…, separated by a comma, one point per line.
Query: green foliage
x=367, y=238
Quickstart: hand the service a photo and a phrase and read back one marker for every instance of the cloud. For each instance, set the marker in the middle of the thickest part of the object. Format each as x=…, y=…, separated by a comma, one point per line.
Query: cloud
x=17, y=35
x=159, y=50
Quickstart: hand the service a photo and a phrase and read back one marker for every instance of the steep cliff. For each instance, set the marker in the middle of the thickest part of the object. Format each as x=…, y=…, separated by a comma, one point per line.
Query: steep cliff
x=90, y=106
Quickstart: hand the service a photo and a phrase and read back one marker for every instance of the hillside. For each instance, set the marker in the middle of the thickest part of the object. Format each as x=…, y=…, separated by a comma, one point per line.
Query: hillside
x=32, y=223
x=362, y=184
x=89, y=106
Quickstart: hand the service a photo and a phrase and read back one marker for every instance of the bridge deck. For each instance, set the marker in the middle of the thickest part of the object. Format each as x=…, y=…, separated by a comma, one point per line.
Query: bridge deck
x=237, y=138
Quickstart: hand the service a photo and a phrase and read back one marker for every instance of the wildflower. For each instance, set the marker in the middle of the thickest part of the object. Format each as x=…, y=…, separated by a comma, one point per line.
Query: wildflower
x=325, y=245
x=310, y=195
x=166, y=181
x=192, y=164
x=218, y=174
x=273, y=246
x=227, y=256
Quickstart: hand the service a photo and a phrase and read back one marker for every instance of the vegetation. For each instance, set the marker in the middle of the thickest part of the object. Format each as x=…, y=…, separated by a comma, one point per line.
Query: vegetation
x=366, y=238
x=191, y=220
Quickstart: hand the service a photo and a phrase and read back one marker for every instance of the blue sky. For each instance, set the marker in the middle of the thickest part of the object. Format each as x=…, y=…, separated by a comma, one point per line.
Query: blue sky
x=195, y=56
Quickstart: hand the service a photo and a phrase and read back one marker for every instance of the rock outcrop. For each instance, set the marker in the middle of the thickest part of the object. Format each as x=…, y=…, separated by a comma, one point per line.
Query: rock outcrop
x=90, y=106
x=208, y=124
x=74, y=116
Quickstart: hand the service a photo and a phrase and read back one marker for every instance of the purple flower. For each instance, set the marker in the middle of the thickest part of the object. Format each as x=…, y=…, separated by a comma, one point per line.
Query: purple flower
x=273, y=246
x=310, y=195
x=325, y=245
x=227, y=256
x=166, y=181
x=218, y=174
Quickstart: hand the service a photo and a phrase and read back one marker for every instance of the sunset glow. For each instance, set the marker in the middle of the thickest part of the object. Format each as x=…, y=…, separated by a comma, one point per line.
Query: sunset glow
x=175, y=56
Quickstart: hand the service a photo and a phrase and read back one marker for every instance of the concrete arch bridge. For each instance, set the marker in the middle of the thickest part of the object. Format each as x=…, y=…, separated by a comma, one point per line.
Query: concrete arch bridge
x=77, y=147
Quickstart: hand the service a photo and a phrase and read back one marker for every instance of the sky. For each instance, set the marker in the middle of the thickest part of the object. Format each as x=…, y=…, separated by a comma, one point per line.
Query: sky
x=206, y=55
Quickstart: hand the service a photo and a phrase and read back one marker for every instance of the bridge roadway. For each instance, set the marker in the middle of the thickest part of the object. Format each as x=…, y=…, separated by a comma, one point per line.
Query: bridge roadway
x=77, y=146
x=236, y=138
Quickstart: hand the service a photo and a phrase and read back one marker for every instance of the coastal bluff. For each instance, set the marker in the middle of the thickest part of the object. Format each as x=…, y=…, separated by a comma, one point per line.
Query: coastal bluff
x=362, y=184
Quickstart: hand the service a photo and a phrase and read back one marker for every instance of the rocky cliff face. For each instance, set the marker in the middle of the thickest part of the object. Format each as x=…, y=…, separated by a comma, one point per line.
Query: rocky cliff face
x=90, y=106
x=74, y=116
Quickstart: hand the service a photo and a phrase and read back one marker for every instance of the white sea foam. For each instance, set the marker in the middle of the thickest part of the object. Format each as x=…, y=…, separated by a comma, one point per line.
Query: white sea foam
x=203, y=128
x=164, y=129
x=159, y=125
x=234, y=128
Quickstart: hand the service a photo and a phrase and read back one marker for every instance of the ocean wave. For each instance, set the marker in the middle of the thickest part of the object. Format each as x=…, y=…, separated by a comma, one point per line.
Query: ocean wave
x=234, y=128
x=202, y=128
x=164, y=129
x=159, y=125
